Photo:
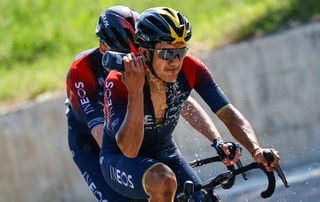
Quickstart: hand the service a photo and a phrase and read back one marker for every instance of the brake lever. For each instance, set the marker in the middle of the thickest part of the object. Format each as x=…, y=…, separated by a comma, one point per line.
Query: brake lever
x=269, y=157
x=232, y=150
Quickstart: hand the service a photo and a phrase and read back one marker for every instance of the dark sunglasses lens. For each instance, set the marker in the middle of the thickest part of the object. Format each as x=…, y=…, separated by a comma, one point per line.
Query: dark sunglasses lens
x=169, y=54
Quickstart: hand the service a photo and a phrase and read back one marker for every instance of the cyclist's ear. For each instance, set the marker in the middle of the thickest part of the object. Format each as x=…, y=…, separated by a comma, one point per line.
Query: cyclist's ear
x=145, y=54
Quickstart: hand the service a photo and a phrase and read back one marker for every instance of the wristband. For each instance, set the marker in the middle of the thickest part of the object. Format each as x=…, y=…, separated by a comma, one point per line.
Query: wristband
x=216, y=143
x=254, y=151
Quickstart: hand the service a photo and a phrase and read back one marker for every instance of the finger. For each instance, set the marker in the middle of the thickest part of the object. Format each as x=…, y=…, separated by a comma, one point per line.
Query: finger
x=129, y=56
x=145, y=66
x=262, y=160
x=276, y=157
x=123, y=77
x=140, y=60
x=130, y=59
x=269, y=169
x=135, y=60
x=225, y=149
x=141, y=63
x=126, y=63
x=237, y=156
x=227, y=161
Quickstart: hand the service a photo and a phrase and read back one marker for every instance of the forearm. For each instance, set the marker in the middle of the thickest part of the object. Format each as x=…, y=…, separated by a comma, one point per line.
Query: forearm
x=194, y=114
x=240, y=128
x=130, y=135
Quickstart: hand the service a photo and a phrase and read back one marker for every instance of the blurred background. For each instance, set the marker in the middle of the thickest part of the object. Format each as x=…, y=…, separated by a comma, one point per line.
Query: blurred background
x=263, y=54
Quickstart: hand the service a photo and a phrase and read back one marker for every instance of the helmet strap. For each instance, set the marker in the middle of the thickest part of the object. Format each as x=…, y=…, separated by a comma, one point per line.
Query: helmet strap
x=149, y=60
x=149, y=63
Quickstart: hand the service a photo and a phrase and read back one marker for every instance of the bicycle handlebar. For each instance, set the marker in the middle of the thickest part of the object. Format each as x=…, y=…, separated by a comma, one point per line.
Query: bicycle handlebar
x=271, y=179
x=227, y=181
x=201, y=162
x=218, y=180
x=230, y=182
x=269, y=156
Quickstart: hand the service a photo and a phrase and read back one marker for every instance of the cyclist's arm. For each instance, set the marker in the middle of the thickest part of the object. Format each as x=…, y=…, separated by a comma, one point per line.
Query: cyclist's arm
x=195, y=115
x=82, y=94
x=243, y=132
x=131, y=133
x=211, y=93
x=202, y=81
x=239, y=127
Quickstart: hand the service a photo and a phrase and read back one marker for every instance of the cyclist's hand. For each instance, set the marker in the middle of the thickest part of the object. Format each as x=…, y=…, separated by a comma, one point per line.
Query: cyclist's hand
x=257, y=154
x=229, y=151
x=134, y=74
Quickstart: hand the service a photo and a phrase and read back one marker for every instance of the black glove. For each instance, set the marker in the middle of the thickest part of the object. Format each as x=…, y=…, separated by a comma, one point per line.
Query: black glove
x=217, y=144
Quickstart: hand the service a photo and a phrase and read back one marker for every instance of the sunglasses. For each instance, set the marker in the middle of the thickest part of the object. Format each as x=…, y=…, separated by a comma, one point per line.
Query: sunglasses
x=171, y=53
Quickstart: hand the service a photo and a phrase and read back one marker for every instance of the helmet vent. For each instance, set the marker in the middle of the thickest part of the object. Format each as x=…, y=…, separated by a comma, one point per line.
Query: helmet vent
x=157, y=23
x=178, y=30
x=169, y=11
x=146, y=30
x=130, y=20
x=121, y=40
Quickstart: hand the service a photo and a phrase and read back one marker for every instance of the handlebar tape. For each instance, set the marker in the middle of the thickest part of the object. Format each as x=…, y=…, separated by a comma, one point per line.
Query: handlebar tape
x=271, y=179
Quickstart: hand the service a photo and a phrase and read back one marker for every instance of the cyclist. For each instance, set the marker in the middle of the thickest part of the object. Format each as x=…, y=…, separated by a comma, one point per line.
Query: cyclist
x=139, y=157
x=84, y=85
x=85, y=81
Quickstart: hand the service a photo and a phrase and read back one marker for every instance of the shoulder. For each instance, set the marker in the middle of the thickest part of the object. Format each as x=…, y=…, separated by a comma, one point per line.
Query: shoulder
x=82, y=59
x=192, y=65
x=80, y=67
x=84, y=54
x=191, y=60
x=193, y=69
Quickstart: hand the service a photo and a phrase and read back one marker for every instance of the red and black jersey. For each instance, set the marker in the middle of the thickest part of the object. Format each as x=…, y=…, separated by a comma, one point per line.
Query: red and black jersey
x=85, y=81
x=193, y=75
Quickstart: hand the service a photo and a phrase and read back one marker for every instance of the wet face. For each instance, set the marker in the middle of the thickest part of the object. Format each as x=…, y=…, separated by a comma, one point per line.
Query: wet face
x=167, y=60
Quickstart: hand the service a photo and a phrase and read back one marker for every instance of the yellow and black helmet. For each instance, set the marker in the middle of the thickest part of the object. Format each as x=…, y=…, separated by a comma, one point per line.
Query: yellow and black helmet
x=162, y=25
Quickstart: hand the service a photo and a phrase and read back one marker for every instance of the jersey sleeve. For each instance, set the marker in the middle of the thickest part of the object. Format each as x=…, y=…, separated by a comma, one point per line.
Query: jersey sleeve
x=202, y=81
x=83, y=94
x=115, y=102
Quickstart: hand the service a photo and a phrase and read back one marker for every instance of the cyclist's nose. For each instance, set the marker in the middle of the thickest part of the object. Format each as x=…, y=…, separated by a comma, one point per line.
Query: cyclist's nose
x=174, y=61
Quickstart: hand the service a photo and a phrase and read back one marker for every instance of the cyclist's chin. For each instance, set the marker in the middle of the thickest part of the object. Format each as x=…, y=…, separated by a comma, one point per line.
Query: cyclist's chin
x=169, y=77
